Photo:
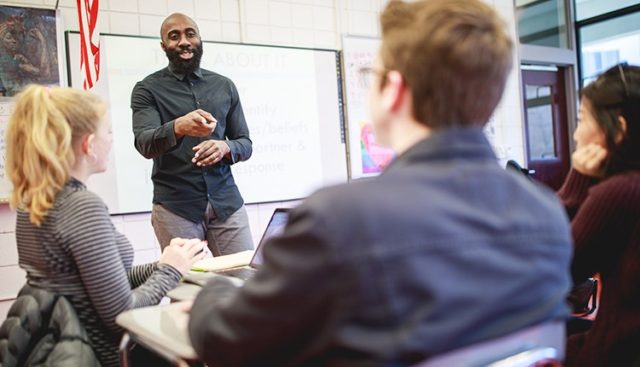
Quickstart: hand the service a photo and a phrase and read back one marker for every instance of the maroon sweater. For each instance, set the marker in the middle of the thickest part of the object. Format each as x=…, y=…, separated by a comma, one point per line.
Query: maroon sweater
x=605, y=221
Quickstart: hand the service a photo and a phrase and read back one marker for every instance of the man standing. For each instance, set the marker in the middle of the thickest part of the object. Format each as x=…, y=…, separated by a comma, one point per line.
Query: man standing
x=190, y=121
x=443, y=250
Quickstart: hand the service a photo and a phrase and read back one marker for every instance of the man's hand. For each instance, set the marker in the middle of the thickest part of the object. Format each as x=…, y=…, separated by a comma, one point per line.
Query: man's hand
x=589, y=160
x=195, y=123
x=185, y=306
x=210, y=152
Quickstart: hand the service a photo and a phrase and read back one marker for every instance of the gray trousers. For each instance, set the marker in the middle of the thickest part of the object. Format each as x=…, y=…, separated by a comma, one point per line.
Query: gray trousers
x=224, y=238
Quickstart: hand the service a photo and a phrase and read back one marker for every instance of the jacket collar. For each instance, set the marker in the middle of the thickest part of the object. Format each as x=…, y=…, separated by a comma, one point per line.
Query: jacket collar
x=446, y=144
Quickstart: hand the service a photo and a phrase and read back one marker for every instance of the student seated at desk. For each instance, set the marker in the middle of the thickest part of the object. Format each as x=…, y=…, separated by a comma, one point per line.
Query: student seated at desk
x=445, y=249
x=57, y=138
x=602, y=195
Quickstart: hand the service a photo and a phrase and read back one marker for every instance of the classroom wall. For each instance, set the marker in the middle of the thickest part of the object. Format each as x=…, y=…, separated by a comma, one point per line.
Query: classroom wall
x=304, y=23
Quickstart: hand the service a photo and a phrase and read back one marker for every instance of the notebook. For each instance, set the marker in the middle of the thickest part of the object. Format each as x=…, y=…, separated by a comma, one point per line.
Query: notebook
x=238, y=265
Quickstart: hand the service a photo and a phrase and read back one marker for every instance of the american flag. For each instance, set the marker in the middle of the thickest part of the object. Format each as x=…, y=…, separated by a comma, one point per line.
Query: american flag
x=89, y=42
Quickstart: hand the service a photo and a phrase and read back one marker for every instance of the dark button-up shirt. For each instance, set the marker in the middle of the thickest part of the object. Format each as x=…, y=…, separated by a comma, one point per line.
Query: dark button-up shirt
x=178, y=184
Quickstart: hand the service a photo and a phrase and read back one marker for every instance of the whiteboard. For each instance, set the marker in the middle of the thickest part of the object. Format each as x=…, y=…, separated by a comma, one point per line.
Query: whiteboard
x=290, y=97
x=366, y=157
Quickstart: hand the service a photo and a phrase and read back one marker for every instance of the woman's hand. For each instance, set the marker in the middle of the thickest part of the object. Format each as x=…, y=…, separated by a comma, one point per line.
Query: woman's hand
x=182, y=253
x=589, y=160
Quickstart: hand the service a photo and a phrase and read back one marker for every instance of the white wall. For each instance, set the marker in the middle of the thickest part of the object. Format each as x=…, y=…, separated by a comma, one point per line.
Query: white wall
x=305, y=23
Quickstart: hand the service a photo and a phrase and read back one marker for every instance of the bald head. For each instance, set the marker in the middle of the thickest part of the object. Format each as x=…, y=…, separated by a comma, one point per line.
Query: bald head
x=176, y=21
x=181, y=43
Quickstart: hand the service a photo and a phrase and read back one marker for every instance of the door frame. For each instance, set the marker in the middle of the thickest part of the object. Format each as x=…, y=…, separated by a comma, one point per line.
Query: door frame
x=560, y=164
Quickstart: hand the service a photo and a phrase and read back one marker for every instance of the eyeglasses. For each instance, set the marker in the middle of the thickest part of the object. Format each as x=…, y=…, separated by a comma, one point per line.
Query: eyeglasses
x=366, y=75
x=624, y=79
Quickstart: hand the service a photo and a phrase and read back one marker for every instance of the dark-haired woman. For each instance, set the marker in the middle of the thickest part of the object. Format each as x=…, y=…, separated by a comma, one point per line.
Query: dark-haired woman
x=602, y=197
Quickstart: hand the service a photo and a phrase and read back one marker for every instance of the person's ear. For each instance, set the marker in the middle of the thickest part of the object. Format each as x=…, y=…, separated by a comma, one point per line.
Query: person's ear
x=623, y=129
x=87, y=144
x=393, y=90
x=164, y=48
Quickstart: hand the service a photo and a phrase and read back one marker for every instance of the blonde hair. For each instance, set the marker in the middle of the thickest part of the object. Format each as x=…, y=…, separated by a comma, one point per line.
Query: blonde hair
x=455, y=56
x=44, y=126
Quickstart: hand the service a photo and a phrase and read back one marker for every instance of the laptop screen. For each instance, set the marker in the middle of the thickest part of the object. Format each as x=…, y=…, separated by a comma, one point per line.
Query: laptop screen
x=275, y=226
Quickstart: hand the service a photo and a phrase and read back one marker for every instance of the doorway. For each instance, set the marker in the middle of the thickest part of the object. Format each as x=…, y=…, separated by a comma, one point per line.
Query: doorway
x=546, y=124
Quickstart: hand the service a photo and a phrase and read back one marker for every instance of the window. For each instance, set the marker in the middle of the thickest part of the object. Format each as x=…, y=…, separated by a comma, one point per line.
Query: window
x=607, y=43
x=540, y=122
x=591, y=8
x=542, y=22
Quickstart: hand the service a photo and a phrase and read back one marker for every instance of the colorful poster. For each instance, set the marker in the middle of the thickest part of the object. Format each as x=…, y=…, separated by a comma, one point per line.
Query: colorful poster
x=367, y=158
x=28, y=48
x=375, y=158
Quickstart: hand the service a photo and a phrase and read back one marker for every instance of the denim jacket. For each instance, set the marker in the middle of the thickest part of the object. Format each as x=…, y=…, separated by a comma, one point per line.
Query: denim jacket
x=443, y=250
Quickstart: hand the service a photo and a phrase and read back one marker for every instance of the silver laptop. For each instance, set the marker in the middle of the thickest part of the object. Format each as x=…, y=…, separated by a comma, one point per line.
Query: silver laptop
x=276, y=225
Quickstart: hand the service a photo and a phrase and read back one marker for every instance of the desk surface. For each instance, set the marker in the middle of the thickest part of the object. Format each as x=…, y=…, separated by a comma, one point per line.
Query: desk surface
x=184, y=292
x=191, y=285
x=161, y=328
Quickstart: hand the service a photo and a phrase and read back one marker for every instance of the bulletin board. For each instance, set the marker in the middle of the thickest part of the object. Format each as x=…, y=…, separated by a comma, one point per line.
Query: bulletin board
x=5, y=186
x=29, y=53
x=366, y=157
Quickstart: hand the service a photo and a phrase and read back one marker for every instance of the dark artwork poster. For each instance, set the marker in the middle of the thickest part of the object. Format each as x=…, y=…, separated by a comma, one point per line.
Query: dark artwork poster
x=28, y=48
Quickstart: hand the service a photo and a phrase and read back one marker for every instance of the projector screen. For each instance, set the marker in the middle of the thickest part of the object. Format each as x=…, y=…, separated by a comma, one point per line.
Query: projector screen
x=291, y=99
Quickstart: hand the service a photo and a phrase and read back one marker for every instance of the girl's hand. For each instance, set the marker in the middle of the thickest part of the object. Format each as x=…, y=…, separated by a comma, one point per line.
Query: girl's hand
x=589, y=160
x=182, y=254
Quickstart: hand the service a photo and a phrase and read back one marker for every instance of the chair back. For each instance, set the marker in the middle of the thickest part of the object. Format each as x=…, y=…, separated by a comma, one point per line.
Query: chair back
x=513, y=165
x=534, y=357
x=543, y=343
x=583, y=297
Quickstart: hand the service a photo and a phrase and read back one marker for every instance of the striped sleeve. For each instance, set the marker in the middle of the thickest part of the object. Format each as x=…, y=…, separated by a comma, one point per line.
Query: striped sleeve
x=156, y=286
x=92, y=241
x=140, y=273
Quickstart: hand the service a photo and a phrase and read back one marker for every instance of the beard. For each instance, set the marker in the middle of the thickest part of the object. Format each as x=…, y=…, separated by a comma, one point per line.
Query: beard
x=184, y=67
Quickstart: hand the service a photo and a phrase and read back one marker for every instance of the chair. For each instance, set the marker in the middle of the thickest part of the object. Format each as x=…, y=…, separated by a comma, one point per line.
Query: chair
x=539, y=345
x=583, y=297
x=513, y=165
x=536, y=357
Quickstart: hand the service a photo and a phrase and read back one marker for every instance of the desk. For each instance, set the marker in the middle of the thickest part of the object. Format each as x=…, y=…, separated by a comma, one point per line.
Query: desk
x=184, y=292
x=192, y=283
x=161, y=329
